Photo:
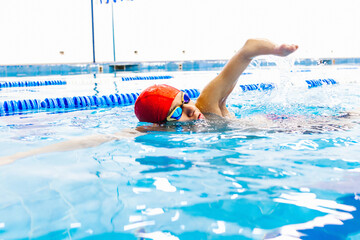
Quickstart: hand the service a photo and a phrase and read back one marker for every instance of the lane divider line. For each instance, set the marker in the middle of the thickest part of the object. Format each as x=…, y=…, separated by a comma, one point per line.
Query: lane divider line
x=31, y=83
x=146, y=78
x=11, y=107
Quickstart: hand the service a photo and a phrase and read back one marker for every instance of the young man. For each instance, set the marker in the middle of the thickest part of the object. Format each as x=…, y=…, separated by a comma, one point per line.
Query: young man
x=163, y=103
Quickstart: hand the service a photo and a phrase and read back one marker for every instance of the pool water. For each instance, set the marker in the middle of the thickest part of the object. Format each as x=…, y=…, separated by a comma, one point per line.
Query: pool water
x=284, y=180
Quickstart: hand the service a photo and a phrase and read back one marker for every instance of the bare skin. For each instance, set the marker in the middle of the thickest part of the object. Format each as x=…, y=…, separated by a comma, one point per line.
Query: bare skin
x=212, y=100
x=73, y=144
x=190, y=111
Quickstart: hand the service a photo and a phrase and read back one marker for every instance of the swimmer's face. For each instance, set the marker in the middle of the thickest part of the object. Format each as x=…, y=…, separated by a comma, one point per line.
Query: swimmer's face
x=189, y=111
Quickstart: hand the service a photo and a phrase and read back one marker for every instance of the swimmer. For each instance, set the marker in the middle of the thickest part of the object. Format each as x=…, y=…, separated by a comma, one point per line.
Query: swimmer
x=160, y=104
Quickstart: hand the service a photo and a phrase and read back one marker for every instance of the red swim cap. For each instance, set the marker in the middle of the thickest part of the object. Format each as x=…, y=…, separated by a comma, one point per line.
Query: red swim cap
x=154, y=103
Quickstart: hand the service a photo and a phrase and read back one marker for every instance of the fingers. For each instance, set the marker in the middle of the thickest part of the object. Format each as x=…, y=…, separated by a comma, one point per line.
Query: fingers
x=286, y=49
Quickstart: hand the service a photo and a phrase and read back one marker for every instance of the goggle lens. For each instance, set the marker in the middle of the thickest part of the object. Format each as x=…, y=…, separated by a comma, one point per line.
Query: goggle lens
x=186, y=98
x=177, y=112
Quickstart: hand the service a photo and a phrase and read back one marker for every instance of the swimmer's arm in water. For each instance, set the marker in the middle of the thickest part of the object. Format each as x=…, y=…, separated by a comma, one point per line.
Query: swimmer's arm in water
x=73, y=144
x=213, y=97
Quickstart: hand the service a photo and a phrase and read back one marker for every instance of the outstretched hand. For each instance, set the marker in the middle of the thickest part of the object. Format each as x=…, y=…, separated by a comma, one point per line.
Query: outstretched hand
x=257, y=47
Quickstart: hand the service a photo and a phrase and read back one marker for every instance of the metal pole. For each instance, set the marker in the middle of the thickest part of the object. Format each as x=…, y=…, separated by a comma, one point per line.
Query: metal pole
x=93, y=35
x=113, y=32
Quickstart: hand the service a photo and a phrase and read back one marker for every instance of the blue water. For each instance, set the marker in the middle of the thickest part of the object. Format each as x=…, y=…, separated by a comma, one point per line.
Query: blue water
x=238, y=181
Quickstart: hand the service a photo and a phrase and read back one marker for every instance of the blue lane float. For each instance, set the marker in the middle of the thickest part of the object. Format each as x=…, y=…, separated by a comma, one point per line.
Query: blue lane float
x=19, y=106
x=259, y=87
x=31, y=83
x=270, y=86
x=320, y=82
x=146, y=78
x=124, y=99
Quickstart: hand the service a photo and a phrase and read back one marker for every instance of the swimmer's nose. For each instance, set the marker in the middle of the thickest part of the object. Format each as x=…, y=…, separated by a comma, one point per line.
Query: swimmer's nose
x=189, y=110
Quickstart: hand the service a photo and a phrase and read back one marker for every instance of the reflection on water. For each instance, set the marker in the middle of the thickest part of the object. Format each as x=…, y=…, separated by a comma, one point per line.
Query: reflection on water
x=341, y=219
x=292, y=173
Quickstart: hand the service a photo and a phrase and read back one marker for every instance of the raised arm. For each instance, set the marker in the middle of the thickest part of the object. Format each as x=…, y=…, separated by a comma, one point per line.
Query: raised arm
x=213, y=97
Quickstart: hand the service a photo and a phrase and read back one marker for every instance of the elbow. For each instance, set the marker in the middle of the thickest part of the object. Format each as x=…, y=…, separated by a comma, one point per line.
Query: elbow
x=246, y=52
x=250, y=42
x=254, y=47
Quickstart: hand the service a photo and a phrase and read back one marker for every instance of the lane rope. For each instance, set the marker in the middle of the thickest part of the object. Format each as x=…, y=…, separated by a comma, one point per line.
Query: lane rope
x=11, y=107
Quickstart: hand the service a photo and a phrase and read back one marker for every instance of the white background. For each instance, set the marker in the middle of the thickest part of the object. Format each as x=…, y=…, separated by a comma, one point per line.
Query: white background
x=37, y=31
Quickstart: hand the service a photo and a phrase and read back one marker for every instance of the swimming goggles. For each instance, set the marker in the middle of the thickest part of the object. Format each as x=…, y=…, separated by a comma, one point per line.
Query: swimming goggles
x=177, y=112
